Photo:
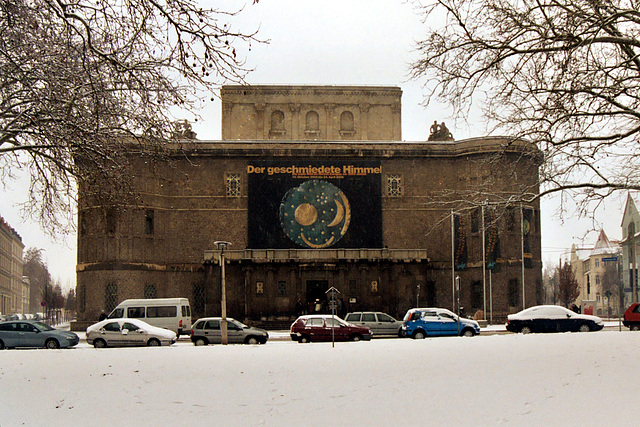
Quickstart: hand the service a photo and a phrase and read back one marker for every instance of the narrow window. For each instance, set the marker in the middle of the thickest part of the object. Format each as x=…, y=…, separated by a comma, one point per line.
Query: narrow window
x=374, y=286
x=150, y=292
x=260, y=288
x=475, y=220
x=514, y=293
x=148, y=221
x=110, y=297
x=394, y=185
x=233, y=185
x=282, y=288
x=277, y=123
x=312, y=123
x=111, y=220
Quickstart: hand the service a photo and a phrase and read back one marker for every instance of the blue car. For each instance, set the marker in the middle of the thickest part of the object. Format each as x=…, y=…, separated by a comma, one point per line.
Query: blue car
x=419, y=323
x=31, y=333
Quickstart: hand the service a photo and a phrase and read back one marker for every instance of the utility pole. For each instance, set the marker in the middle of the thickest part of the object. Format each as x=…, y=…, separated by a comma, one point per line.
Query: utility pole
x=221, y=245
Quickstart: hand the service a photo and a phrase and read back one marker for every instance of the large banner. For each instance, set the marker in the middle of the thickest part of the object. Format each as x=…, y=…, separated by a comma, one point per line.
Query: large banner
x=314, y=204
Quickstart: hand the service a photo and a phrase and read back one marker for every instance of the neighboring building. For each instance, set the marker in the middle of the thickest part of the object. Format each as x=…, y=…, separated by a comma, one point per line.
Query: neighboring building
x=630, y=253
x=314, y=189
x=597, y=271
x=11, y=286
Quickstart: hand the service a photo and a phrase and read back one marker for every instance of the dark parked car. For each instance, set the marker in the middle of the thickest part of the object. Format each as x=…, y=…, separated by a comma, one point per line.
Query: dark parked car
x=207, y=331
x=324, y=327
x=31, y=333
x=552, y=318
x=632, y=317
x=381, y=324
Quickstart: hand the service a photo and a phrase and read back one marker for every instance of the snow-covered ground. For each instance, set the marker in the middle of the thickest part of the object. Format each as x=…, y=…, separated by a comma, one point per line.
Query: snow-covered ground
x=556, y=379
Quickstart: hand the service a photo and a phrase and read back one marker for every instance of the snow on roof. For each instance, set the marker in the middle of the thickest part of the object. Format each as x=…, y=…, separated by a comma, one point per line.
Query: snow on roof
x=604, y=246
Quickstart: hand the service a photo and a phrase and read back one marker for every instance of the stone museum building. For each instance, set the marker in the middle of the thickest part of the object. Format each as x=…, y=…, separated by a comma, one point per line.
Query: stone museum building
x=314, y=189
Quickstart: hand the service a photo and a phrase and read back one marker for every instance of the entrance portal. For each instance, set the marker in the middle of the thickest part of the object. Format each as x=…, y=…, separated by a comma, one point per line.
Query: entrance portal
x=316, y=295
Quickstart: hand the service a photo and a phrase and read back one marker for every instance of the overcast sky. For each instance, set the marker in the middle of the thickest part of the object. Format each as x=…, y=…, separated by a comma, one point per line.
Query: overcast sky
x=356, y=42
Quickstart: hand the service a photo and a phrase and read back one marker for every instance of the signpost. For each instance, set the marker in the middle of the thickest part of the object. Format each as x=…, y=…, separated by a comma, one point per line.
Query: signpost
x=332, y=304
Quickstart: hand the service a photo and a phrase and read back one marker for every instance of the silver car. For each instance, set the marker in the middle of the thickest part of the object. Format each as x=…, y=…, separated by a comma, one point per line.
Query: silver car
x=381, y=324
x=127, y=333
x=207, y=331
x=30, y=333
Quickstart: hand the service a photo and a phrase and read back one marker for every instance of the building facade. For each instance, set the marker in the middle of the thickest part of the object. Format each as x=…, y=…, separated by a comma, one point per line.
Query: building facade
x=630, y=250
x=12, y=287
x=314, y=189
x=596, y=270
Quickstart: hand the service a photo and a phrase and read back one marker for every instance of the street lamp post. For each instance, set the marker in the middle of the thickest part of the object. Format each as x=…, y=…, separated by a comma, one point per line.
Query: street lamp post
x=221, y=245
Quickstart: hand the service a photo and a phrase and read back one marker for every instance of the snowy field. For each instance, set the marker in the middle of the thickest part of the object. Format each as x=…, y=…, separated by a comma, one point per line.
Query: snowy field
x=568, y=379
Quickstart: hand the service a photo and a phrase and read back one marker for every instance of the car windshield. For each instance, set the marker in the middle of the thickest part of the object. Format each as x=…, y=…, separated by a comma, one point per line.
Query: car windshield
x=43, y=326
x=238, y=324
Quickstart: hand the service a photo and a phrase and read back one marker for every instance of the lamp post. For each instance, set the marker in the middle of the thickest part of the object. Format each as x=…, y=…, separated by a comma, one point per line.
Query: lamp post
x=418, y=295
x=221, y=246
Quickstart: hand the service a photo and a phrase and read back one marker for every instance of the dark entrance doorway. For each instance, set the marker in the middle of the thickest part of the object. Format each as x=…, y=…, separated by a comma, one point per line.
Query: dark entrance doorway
x=316, y=295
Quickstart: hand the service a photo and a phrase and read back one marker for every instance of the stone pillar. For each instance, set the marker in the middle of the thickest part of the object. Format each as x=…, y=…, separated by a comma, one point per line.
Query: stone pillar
x=295, y=121
x=227, y=108
x=261, y=129
x=330, y=122
x=397, y=124
x=364, y=122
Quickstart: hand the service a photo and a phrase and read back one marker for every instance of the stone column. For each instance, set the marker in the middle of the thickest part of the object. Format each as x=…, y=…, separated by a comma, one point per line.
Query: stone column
x=330, y=122
x=227, y=108
x=261, y=130
x=364, y=122
x=295, y=121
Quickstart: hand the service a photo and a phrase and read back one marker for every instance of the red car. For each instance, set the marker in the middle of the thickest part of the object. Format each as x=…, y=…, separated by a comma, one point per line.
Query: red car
x=324, y=327
x=632, y=317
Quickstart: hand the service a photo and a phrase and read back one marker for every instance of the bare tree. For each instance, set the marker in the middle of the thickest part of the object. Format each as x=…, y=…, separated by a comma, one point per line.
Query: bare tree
x=35, y=268
x=568, y=286
x=562, y=73
x=82, y=83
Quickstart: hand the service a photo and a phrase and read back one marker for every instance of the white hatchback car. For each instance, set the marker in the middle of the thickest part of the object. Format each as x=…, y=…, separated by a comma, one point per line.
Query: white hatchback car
x=127, y=333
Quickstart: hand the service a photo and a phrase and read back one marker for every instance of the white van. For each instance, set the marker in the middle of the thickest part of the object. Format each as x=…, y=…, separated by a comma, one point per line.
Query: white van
x=169, y=313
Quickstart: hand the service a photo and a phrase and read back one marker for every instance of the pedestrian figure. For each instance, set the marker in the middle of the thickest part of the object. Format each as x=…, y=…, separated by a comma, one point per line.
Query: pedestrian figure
x=102, y=316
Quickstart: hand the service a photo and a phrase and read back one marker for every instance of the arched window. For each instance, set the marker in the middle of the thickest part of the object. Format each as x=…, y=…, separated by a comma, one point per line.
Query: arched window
x=312, y=123
x=277, y=123
x=346, y=122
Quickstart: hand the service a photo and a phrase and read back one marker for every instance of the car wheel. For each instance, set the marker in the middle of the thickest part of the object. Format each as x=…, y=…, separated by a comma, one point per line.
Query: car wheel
x=356, y=337
x=200, y=341
x=304, y=339
x=526, y=330
x=468, y=333
x=1, y=345
x=635, y=327
x=99, y=343
x=419, y=335
x=251, y=340
x=399, y=332
x=584, y=328
x=52, y=344
x=153, y=342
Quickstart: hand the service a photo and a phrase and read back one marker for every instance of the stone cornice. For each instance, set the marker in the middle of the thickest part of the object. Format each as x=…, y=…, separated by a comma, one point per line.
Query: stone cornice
x=384, y=149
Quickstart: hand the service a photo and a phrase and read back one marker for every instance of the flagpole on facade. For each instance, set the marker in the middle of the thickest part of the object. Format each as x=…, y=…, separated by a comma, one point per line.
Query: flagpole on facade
x=484, y=268
x=522, y=249
x=453, y=267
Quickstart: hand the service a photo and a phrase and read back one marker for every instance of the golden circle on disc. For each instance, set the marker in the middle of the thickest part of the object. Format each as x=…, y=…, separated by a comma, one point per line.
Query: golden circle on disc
x=306, y=214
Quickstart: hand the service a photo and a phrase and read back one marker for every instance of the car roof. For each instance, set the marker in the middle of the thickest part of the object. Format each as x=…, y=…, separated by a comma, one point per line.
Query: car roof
x=214, y=318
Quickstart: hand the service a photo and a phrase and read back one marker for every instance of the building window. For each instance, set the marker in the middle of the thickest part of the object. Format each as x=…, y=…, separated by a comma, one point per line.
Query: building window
x=312, y=123
x=111, y=220
x=588, y=286
x=282, y=288
x=597, y=262
x=475, y=220
x=394, y=185
x=150, y=292
x=374, y=286
x=260, y=288
x=347, y=125
x=514, y=293
x=198, y=299
x=83, y=223
x=597, y=279
x=110, y=297
x=233, y=184
x=148, y=221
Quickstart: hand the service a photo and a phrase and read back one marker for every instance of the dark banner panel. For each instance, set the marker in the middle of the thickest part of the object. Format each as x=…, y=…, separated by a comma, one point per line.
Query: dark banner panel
x=314, y=204
x=459, y=242
x=491, y=238
x=527, y=217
